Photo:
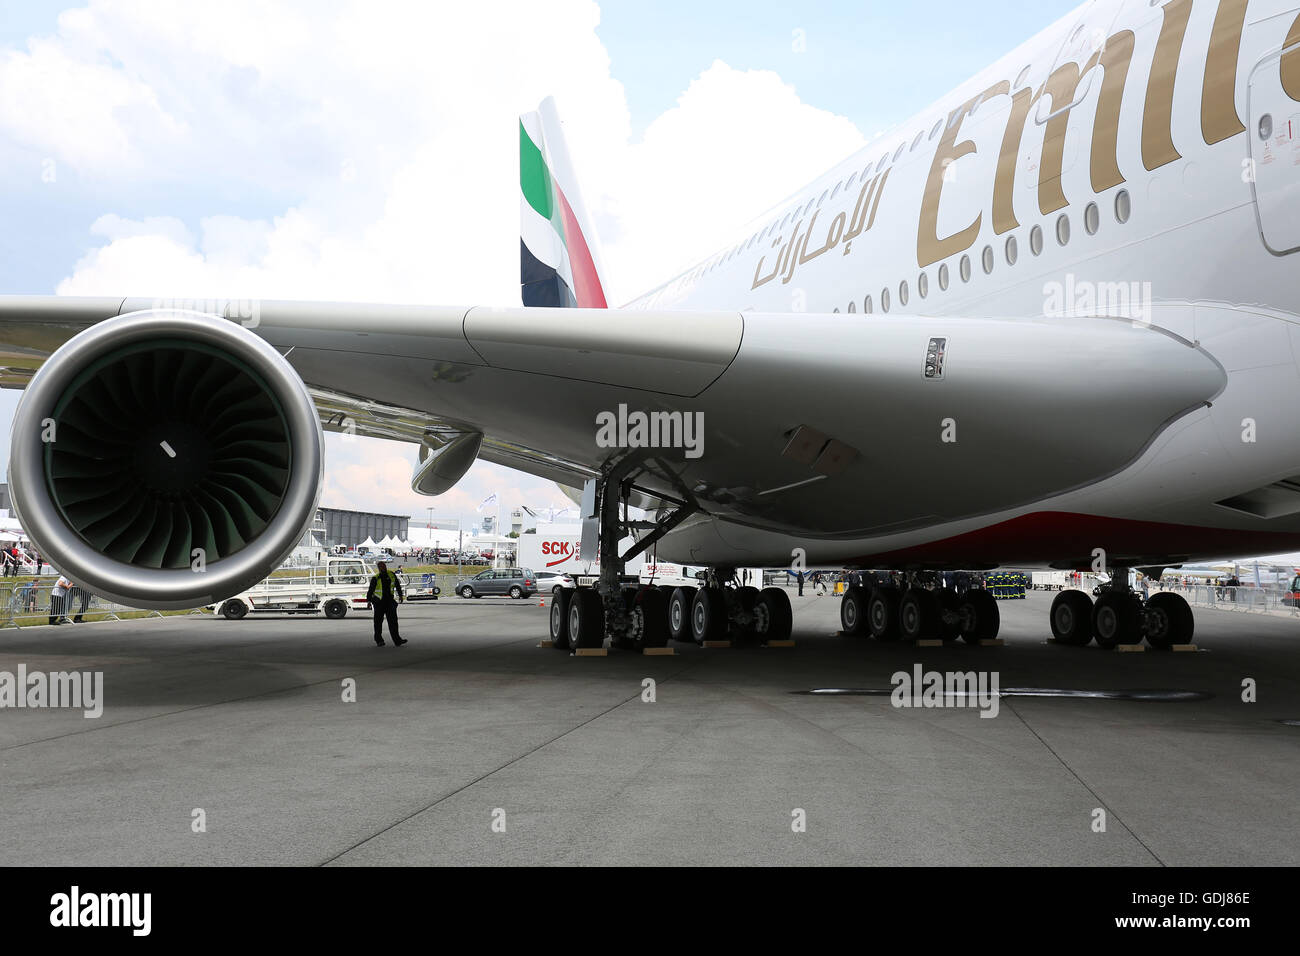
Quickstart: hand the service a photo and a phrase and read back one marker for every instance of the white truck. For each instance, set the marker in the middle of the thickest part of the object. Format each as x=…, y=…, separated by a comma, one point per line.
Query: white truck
x=331, y=589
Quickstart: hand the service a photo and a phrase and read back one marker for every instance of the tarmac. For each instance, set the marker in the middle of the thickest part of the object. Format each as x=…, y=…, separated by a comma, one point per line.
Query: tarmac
x=232, y=742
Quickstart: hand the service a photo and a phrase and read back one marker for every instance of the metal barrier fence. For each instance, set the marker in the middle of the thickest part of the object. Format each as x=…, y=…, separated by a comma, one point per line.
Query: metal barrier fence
x=33, y=601
x=1243, y=600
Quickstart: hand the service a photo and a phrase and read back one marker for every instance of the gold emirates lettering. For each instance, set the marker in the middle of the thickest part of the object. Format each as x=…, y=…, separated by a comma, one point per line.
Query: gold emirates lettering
x=1219, y=120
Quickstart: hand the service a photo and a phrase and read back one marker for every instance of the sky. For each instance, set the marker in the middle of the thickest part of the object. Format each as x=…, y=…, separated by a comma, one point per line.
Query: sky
x=239, y=149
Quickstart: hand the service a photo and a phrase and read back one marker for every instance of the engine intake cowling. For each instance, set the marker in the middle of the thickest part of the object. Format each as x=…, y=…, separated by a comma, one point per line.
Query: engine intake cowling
x=166, y=459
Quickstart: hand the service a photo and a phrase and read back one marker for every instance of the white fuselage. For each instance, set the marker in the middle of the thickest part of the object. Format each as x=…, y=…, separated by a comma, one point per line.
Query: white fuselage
x=1131, y=160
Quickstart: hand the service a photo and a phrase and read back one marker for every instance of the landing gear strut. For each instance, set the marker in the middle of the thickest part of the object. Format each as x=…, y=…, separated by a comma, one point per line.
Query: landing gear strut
x=616, y=605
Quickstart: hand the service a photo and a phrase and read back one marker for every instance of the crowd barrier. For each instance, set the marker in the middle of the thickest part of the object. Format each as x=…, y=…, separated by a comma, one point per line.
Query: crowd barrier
x=24, y=603
x=1244, y=600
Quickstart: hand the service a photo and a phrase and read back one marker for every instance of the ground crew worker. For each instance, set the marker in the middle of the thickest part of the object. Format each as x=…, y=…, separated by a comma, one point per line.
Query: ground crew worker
x=384, y=594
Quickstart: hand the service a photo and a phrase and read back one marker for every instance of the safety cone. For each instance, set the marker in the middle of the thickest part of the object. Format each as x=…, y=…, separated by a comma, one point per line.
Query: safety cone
x=541, y=602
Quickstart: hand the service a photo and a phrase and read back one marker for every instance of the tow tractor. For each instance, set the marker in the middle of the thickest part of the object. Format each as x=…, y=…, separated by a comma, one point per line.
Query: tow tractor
x=331, y=589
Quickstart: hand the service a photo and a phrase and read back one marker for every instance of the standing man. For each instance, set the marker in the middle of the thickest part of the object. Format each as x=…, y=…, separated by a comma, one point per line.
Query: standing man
x=81, y=594
x=384, y=595
x=59, y=600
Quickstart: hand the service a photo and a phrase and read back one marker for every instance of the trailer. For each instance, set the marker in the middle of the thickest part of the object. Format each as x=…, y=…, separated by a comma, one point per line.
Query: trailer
x=330, y=589
x=1048, y=580
x=555, y=548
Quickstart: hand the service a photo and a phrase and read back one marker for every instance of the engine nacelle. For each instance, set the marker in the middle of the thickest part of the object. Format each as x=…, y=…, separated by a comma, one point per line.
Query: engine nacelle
x=166, y=459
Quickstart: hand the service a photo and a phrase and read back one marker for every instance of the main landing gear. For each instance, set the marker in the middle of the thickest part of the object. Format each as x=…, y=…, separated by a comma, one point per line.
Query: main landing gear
x=915, y=612
x=1120, y=616
x=638, y=616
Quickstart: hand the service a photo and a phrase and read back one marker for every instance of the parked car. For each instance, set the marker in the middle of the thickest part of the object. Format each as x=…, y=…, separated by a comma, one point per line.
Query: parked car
x=553, y=581
x=498, y=582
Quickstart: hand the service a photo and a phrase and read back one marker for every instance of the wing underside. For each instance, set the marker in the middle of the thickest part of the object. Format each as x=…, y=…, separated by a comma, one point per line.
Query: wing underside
x=801, y=424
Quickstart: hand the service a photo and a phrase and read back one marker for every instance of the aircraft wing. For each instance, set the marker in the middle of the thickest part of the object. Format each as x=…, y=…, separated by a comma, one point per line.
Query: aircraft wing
x=824, y=425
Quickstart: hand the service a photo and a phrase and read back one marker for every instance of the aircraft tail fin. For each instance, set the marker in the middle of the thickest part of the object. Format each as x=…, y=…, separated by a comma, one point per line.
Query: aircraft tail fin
x=558, y=250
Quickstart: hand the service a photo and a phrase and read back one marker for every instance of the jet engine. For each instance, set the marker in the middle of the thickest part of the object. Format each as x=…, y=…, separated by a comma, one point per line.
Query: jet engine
x=166, y=459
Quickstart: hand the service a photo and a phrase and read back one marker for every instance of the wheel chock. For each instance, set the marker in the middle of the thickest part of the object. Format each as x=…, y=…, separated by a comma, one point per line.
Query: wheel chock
x=546, y=644
x=658, y=651
x=929, y=642
x=591, y=652
x=717, y=643
x=1130, y=648
x=778, y=644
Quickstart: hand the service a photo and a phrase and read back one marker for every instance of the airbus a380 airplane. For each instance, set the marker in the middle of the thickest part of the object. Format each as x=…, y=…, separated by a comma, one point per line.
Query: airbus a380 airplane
x=1051, y=321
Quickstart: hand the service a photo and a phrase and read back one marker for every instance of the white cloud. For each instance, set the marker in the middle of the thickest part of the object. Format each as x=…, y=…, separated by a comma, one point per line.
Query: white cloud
x=384, y=136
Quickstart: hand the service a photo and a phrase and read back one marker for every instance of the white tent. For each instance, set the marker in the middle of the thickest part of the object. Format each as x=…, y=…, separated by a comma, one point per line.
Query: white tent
x=434, y=538
x=388, y=541
x=368, y=543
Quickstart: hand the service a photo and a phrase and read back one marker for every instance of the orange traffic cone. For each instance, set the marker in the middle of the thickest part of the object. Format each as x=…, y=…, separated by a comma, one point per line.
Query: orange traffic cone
x=541, y=602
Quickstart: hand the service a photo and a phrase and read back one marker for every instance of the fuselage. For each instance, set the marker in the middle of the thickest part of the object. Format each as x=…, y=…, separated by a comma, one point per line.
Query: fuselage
x=1132, y=160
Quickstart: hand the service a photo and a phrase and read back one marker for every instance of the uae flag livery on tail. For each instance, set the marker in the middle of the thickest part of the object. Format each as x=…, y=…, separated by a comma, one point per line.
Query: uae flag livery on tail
x=558, y=257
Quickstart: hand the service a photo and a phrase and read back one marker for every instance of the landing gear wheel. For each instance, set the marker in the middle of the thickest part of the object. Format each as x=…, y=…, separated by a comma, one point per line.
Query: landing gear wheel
x=980, y=617
x=560, y=619
x=949, y=614
x=586, y=619
x=882, y=613
x=918, y=615
x=709, y=616
x=1117, y=619
x=1168, y=621
x=679, y=614
x=773, y=619
x=747, y=599
x=647, y=610
x=335, y=609
x=1071, y=618
x=233, y=610
x=853, y=610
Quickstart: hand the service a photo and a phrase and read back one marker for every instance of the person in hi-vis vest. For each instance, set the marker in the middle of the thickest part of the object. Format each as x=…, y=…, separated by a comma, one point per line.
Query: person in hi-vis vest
x=384, y=595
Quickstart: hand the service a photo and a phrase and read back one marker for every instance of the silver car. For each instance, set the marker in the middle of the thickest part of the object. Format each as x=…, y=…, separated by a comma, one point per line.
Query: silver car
x=553, y=581
x=499, y=582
